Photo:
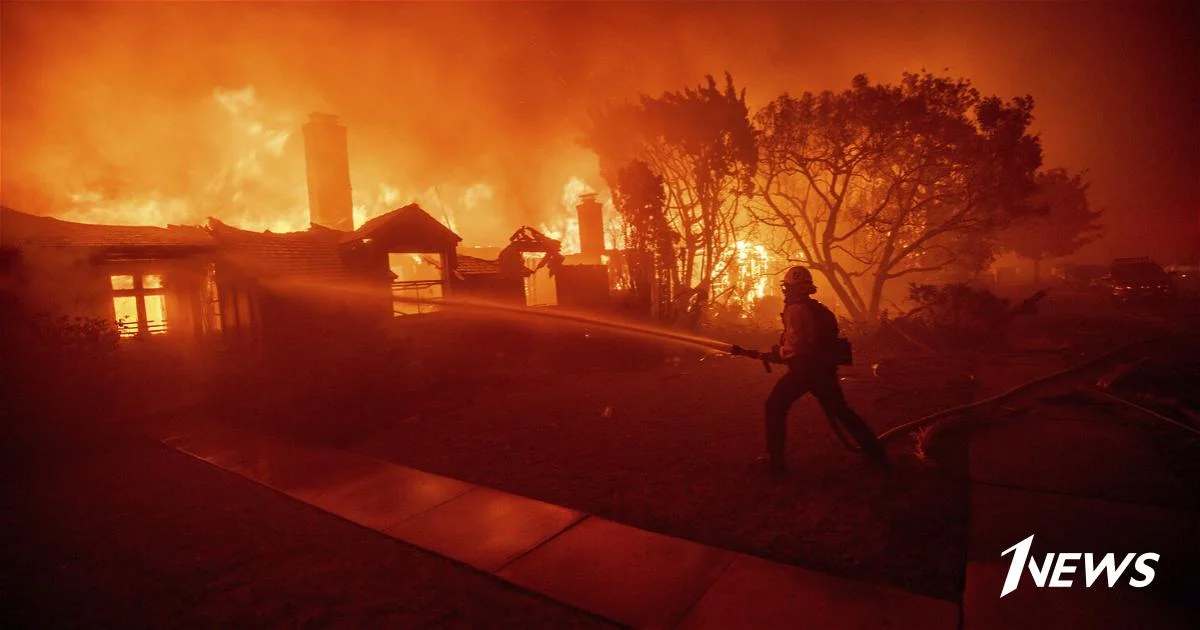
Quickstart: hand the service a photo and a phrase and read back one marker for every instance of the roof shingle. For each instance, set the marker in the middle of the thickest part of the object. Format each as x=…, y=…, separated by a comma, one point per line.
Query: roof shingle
x=410, y=226
x=472, y=266
x=313, y=253
x=18, y=229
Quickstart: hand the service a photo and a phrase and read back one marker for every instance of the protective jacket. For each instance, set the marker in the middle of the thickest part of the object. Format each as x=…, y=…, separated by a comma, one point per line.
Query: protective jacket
x=809, y=333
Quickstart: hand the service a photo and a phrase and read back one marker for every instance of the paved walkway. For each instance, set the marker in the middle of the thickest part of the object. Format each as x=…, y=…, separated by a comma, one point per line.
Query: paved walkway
x=103, y=529
x=627, y=575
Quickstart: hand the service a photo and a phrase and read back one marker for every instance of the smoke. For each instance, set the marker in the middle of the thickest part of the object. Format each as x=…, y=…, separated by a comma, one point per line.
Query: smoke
x=178, y=111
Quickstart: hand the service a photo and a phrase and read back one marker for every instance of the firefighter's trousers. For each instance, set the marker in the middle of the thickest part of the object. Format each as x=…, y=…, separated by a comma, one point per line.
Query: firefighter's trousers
x=823, y=383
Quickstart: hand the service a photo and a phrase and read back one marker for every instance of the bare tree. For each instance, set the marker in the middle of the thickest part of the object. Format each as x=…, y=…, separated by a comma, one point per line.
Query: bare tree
x=880, y=181
x=700, y=143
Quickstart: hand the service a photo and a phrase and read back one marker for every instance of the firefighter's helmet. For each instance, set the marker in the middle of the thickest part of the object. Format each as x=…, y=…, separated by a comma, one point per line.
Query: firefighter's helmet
x=799, y=279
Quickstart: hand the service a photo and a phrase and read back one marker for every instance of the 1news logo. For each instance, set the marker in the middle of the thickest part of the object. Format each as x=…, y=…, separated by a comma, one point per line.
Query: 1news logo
x=1064, y=564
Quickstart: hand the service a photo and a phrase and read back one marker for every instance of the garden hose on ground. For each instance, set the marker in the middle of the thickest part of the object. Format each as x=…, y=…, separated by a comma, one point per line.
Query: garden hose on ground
x=1151, y=412
x=914, y=425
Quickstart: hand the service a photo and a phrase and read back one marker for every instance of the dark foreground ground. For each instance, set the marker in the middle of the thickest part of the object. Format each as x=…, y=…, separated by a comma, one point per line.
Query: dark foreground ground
x=672, y=449
x=108, y=530
x=117, y=529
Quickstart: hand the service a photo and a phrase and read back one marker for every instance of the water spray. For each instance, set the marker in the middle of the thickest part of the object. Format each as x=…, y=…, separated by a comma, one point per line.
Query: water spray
x=573, y=317
x=492, y=308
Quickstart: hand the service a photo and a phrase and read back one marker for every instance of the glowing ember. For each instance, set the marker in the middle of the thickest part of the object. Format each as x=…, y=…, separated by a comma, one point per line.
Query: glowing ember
x=750, y=274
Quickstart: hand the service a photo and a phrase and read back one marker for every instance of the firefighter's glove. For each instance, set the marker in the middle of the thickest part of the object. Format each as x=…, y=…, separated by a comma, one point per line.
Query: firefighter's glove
x=772, y=356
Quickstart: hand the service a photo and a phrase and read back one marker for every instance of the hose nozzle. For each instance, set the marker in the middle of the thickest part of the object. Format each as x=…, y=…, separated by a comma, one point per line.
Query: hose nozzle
x=739, y=351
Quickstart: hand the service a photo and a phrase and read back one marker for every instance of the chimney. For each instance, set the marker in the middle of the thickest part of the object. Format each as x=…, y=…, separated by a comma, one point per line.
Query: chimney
x=591, y=226
x=328, y=164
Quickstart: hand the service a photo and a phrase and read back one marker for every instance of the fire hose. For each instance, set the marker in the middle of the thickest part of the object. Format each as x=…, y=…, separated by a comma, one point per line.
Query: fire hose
x=1094, y=361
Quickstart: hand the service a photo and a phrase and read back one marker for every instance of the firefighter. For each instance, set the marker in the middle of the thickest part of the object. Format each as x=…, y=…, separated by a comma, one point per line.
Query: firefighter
x=807, y=347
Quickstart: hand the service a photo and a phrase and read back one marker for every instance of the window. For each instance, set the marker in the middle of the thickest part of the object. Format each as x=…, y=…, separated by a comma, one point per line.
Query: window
x=212, y=300
x=139, y=304
x=418, y=277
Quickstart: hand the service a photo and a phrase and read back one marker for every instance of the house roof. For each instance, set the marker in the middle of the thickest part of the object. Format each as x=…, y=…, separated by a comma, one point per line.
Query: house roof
x=471, y=266
x=313, y=253
x=406, y=229
x=18, y=229
x=318, y=252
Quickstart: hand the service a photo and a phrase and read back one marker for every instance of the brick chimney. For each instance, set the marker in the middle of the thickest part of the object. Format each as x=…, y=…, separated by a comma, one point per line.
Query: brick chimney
x=328, y=164
x=591, y=226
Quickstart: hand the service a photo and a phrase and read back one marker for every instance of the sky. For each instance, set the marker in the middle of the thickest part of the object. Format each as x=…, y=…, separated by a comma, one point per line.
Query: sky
x=181, y=110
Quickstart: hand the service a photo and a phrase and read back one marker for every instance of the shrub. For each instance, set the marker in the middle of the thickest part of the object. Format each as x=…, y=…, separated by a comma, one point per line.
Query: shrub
x=59, y=364
x=956, y=316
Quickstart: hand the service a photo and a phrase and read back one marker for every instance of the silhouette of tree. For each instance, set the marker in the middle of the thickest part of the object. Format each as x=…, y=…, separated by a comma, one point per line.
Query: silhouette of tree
x=880, y=181
x=1064, y=221
x=640, y=199
x=701, y=145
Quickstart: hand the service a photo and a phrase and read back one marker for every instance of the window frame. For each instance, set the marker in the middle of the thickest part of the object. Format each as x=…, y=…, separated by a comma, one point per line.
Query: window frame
x=418, y=287
x=139, y=292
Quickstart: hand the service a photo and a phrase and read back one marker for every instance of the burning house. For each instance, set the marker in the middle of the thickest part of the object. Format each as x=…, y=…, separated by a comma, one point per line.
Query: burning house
x=416, y=252
x=490, y=280
x=250, y=287
x=281, y=288
x=190, y=282
x=150, y=280
x=269, y=285
x=333, y=278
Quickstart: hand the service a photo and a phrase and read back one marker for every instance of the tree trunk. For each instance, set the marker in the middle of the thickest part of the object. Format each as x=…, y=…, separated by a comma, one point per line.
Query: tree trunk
x=835, y=284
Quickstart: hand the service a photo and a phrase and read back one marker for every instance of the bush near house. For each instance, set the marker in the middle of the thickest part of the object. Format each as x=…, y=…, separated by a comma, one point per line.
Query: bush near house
x=56, y=364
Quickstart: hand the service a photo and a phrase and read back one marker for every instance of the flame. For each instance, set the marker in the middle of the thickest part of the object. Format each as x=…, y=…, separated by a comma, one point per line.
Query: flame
x=565, y=230
x=573, y=190
x=252, y=189
x=89, y=206
x=386, y=197
x=751, y=269
x=247, y=190
x=754, y=262
x=368, y=205
x=259, y=184
x=565, y=226
x=256, y=187
x=614, y=226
